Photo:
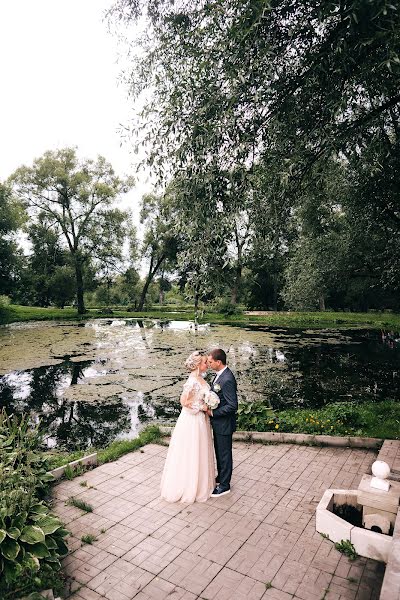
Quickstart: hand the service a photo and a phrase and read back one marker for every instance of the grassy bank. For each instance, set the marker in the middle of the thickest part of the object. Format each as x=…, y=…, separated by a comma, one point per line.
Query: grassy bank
x=150, y=434
x=15, y=313
x=368, y=419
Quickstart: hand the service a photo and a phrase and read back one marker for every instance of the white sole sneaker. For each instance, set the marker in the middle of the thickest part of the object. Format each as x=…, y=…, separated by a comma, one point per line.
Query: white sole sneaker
x=220, y=494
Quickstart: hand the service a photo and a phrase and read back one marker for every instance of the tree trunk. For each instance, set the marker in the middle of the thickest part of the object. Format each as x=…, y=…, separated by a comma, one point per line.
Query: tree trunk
x=321, y=303
x=79, y=285
x=275, y=295
x=144, y=291
x=149, y=279
x=196, y=307
x=236, y=284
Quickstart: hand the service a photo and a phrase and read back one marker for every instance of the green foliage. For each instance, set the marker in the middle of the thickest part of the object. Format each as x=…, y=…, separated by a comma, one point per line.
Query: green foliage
x=31, y=539
x=78, y=503
x=347, y=548
x=371, y=419
x=149, y=435
x=296, y=128
x=11, y=219
x=73, y=199
x=225, y=307
x=88, y=539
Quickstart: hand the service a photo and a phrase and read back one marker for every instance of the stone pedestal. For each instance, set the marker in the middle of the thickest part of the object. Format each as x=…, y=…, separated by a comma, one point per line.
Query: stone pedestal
x=383, y=504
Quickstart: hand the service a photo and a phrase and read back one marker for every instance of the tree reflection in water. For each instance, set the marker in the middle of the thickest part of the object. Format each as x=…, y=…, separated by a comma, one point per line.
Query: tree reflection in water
x=66, y=424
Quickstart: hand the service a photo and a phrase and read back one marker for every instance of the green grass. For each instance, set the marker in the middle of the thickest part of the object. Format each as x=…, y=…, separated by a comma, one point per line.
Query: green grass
x=80, y=504
x=88, y=539
x=150, y=434
x=14, y=313
x=368, y=419
x=347, y=548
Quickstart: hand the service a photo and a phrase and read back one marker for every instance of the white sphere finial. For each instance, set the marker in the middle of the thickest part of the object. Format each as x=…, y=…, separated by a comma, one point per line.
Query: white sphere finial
x=380, y=469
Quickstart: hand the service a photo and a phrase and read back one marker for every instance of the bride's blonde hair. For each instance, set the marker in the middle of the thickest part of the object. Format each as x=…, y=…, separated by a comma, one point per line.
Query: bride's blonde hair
x=193, y=361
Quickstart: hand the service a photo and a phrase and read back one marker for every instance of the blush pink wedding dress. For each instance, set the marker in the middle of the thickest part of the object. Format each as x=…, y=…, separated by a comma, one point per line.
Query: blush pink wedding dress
x=189, y=472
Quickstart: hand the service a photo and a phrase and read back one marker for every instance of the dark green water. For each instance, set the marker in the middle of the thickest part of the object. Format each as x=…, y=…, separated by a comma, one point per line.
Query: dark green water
x=91, y=385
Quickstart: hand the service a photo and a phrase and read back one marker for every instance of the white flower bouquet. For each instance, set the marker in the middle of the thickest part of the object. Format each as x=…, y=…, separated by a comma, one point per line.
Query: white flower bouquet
x=211, y=399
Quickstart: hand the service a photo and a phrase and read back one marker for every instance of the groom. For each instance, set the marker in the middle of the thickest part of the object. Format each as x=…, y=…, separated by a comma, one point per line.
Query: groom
x=223, y=419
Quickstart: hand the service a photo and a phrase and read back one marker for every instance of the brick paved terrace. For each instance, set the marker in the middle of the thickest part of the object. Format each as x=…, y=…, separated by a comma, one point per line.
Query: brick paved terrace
x=259, y=542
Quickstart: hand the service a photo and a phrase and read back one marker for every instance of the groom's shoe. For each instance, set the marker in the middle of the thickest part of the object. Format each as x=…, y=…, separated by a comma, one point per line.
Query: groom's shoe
x=220, y=491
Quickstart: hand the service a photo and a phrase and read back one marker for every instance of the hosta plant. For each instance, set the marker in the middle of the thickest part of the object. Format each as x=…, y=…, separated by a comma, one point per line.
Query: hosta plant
x=31, y=539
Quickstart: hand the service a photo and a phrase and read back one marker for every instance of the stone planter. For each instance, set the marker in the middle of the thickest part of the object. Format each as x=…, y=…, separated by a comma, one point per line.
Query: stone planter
x=366, y=543
x=90, y=459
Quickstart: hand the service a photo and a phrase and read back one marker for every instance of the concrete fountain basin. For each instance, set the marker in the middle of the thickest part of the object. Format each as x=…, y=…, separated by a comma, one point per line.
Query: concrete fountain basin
x=366, y=543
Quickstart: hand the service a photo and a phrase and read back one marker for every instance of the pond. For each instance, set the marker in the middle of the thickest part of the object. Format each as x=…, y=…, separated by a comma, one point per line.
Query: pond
x=90, y=383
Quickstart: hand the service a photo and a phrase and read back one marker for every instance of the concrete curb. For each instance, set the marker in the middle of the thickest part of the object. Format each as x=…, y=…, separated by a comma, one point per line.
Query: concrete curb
x=90, y=459
x=299, y=438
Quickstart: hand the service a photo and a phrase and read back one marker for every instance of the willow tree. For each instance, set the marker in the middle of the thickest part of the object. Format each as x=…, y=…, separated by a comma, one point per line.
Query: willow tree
x=237, y=86
x=77, y=197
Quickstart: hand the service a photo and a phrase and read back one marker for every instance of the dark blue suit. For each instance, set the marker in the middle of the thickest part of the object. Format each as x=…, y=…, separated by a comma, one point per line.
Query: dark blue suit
x=223, y=423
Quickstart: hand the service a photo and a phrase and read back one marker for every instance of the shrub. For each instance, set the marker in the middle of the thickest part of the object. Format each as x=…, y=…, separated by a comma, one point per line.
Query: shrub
x=31, y=539
x=225, y=307
x=4, y=300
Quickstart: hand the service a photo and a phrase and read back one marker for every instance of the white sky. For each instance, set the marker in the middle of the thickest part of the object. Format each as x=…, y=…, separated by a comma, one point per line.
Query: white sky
x=59, y=72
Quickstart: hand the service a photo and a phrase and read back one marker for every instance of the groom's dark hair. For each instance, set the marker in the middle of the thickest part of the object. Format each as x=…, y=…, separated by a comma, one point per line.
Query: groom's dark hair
x=218, y=354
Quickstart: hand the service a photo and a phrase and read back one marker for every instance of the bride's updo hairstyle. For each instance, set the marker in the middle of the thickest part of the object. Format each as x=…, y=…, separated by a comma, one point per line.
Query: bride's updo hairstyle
x=193, y=361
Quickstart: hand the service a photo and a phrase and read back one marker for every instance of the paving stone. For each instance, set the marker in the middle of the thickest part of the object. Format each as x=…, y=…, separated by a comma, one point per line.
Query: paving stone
x=215, y=546
x=235, y=525
x=275, y=594
x=179, y=533
x=229, y=584
x=85, y=593
x=232, y=547
x=120, y=581
x=201, y=513
x=89, y=523
x=142, y=493
x=152, y=554
x=116, y=509
x=145, y=520
x=159, y=589
x=289, y=576
x=118, y=540
x=191, y=572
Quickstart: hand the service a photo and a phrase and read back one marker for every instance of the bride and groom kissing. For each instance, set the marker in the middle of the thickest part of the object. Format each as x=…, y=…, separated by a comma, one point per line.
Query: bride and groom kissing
x=189, y=472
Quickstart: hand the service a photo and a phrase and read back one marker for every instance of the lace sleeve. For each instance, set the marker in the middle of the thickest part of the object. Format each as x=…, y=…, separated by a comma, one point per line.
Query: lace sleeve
x=192, y=395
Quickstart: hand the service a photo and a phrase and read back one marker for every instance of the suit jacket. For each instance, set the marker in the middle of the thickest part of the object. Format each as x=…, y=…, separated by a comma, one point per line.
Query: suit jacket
x=223, y=420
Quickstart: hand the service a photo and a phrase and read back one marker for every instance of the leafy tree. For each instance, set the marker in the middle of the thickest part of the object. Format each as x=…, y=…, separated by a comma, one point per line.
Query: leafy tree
x=76, y=196
x=271, y=92
x=62, y=285
x=11, y=219
x=161, y=238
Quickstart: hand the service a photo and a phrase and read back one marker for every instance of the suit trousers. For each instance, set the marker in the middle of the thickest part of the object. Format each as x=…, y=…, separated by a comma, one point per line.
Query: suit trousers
x=223, y=453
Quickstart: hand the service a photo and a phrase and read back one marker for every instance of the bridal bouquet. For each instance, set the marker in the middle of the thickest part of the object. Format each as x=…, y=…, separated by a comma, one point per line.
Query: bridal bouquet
x=211, y=399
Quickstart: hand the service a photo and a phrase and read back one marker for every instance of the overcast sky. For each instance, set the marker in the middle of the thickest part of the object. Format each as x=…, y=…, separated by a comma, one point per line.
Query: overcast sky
x=59, y=74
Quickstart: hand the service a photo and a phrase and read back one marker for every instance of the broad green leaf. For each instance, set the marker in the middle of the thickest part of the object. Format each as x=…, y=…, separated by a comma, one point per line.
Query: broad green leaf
x=13, y=532
x=39, y=509
x=9, y=548
x=39, y=550
x=49, y=524
x=2, y=535
x=19, y=520
x=32, y=534
x=51, y=543
x=62, y=548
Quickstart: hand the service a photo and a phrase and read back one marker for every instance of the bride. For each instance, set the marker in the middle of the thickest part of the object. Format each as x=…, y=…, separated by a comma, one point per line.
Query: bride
x=189, y=473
